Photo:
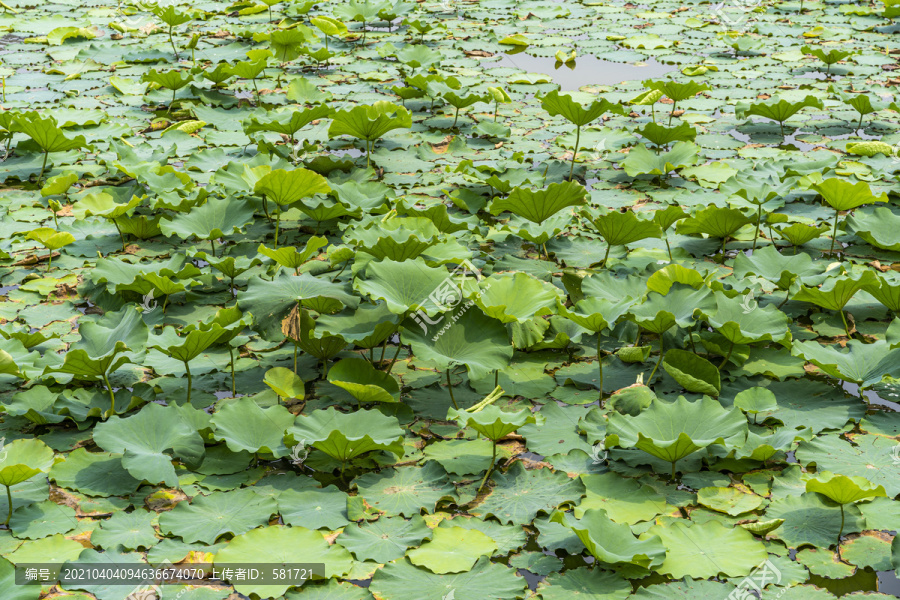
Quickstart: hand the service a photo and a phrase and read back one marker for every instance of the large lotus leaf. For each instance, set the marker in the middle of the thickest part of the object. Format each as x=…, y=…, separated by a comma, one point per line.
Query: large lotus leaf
x=538, y=206
x=366, y=326
x=344, y=436
x=780, y=269
x=872, y=458
x=659, y=313
x=810, y=519
x=270, y=301
x=206, y=518
x=584, y=583
x=860, y=363
x=94, y=474
x=287, y=122
x=776, y=109
x=370, y=122
x=728, y=500
x=843, y=489
x=703, y=550
x=286, y=187
x=21, y=460
x=129, y=531
x=46, y=133
x=517, y=297
x=187, y=347
x=149, y=440
x=452, y=550
x=611, y=287
x=840, y=194
x=672, y=431
x=314, y=508
x=406, y=286
x=384, y=540
x=625, y=500
x=245, y=425
x=742, y=326
x=563, y=104
x=663, y=136
x=472, y=339
x=642, y=161
x=518, y=495
x=714, y=221
x=491, y=421
x=101, y=204
x=886, y=290
x=595, y=313
x=694, y=373
x=621, y=228
x=879, y=226
x=365, y=383
x=285, y=383
x=280, y=545
x=406, y=490
x=217, y=218
x=13, y=591
x=103, y=343
x=836, y=291
x=401, y=580
x=53, y=550
x=613, y=543
x=464, y=457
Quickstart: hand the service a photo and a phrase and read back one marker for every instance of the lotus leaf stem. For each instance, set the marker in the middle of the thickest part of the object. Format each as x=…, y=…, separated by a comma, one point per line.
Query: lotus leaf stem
x=187, y=368
x=491, y=468
x=112, y=395
x=10, y=503
x=658, y=360
x=727, y=356
x=450, y=388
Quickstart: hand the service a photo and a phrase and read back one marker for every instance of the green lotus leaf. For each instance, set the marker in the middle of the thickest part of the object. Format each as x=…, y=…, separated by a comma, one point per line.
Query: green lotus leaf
x=843, y=489
x=128, y=531
x=50, y=238
x=21, y=460
x=662, y=281
x=485, y=580
x=271, y=301
x=101, y=204
x=663, y=136
x=369, y=123
x=694, y=373
x=860, y=363
x=285, y=383
x=362, y=381
x=58, y=184
x=870, y=149
x=344, y=436
x=406, y=490
x=658, y=313
x=756, y=400
x=841, y=195
x=386, y=539
x=886, y=290
x=94, y=474
x=405, y=286
x=780, y=269
x=491, y=421
x=836, y=291
x=633, y=399
x=46, y=133
x=623, y=228
x=286, y=187
x=244, y=425
x=672, y=431
x=594, y=313
x=472, y=339
x=518, y=495
x=872, y=457
x=52, y=550
x=291, y=258
x=563, y=104
x=282, y=545
x=367, y=326
x=810, y=519
x=207, y=518
x=641, y=161
x=776, y=109
x=215, y=219
x=728, y=500
x=610, y=542
x=742, y=325
x=516, y=297
x=880, y=227
x=714, y=221
x=452, y=550
x=676, y=90
x=287, y=122
x=188, y=346
x=702, y=550
x=149, y=440
x=538, y=206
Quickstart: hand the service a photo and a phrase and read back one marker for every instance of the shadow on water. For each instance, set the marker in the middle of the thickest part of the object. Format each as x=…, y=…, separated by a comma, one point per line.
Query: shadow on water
x=588, y=70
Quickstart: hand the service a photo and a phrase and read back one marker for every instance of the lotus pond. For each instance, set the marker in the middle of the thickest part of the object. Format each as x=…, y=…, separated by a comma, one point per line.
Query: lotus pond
x=456, y=300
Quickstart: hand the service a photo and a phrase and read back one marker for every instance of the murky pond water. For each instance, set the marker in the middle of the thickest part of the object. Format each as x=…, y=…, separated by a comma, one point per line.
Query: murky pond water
x=589, y=70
